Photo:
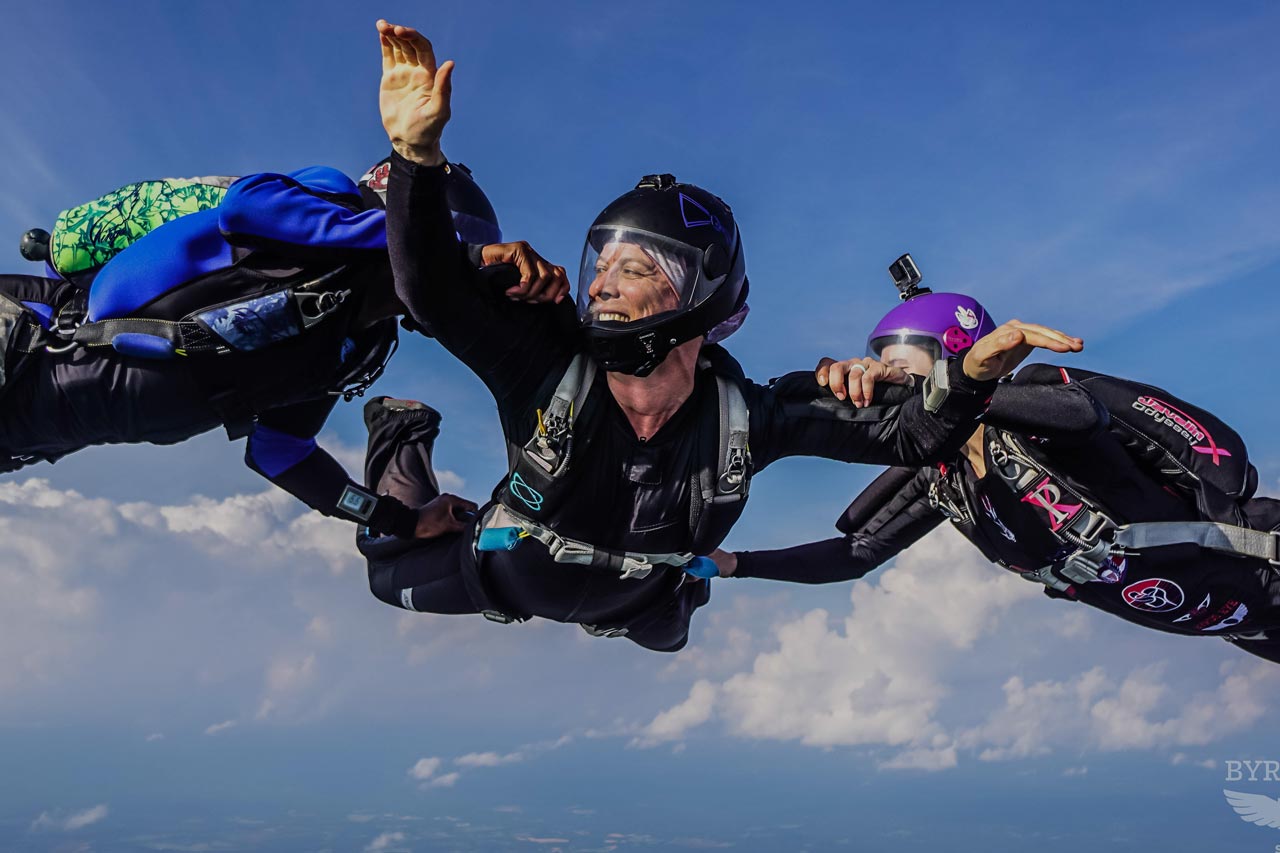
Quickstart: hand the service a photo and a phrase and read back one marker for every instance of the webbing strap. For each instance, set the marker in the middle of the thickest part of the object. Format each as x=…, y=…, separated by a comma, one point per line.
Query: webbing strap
x=1215, y=536
x=735, y=428
x=627, y=564
x=102, y=332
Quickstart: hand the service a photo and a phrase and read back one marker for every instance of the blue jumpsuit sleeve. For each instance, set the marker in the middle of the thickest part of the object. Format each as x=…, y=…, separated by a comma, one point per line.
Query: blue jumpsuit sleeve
x=282, y=448
x=313, y=209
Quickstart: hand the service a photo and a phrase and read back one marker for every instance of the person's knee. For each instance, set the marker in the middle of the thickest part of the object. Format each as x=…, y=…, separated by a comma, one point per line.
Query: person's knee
x=382, y=585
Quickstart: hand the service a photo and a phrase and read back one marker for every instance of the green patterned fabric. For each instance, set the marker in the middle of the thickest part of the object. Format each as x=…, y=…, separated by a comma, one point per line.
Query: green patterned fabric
x=87, y=236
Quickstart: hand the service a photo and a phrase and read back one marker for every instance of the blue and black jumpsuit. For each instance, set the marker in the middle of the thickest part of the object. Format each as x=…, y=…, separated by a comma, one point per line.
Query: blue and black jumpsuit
x=57, y=403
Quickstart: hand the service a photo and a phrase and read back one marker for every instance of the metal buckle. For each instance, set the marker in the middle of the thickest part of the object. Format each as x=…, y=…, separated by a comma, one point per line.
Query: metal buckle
x=498, y=616
x=607, y=633
x=1275, y=539
x=321, y=304
x=1098, y=524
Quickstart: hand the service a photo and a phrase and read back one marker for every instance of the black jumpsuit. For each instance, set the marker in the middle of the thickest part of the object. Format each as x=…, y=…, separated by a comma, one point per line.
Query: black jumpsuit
x=627, y=493
x=1179, y=589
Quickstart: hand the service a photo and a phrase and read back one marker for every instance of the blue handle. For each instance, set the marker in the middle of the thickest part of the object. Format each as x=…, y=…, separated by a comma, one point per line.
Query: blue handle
x=703, y=567
x=498, y=539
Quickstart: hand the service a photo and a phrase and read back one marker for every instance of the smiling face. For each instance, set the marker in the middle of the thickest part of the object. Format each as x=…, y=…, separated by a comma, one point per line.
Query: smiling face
x=629, y=285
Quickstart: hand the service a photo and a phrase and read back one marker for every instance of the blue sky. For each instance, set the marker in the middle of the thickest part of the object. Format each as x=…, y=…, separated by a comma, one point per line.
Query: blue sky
x=191, y=663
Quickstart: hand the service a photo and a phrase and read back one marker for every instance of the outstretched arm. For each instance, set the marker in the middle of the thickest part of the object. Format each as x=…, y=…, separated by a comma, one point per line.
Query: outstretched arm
x=510, y=345
x=801, y=418
x=890, y=515
x=283, y=448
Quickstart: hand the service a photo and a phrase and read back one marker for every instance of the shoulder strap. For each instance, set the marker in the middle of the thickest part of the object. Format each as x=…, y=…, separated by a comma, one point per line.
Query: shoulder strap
x=722, y=484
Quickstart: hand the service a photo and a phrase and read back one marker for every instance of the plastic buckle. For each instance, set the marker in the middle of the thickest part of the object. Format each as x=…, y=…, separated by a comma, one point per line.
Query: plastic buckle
x=634, y=568
x=1275, y=539
x=1083, y=565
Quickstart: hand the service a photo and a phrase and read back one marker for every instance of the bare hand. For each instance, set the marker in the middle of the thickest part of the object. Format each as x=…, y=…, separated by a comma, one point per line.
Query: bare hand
x=856, y=378
x=540, y=280
x=998, y=353
x=445, y=514
x=414, y=94
x=726, y=562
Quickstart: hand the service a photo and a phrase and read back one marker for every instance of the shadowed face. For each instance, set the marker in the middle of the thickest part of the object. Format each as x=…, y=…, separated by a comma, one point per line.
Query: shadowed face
x=629, y=285
x=909, y=357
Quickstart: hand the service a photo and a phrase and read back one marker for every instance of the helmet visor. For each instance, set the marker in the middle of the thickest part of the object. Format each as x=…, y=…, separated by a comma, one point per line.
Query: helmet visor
x=911, y=351
x=629, y=275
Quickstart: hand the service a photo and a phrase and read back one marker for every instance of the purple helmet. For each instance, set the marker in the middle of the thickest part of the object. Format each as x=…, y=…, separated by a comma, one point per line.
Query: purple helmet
x=942, y=323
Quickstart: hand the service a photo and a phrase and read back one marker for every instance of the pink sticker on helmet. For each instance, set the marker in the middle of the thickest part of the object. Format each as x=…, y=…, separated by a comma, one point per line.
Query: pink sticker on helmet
x=956, y=339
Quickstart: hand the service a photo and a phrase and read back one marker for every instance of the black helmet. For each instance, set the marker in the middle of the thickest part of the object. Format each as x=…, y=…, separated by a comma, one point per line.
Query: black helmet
x=473, y=215
x=675, y=234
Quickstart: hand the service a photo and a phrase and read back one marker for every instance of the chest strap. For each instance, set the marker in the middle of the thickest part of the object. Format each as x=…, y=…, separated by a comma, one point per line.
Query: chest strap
x=503, y=529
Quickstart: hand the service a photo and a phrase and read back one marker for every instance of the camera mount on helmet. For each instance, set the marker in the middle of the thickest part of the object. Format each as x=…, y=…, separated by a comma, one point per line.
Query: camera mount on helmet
x=906, y=277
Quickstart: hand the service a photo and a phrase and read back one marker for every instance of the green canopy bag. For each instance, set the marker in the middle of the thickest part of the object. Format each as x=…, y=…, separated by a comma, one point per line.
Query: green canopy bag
x=88, y=235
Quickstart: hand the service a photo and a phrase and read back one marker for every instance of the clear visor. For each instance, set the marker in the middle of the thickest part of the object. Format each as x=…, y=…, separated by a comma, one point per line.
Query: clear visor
x=629, y=275
x=913, y=353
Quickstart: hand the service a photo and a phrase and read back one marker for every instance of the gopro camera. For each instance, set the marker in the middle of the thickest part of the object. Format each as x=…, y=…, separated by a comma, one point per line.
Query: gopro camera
x=906, y=277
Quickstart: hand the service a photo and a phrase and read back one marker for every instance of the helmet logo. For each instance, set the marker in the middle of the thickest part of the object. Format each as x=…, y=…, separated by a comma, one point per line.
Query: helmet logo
x=966, y=317
x=376, y=179
x=956, y=339
x=695, y=215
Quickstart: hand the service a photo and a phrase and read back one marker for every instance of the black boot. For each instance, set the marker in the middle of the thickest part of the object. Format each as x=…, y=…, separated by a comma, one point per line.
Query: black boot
x=402, y=435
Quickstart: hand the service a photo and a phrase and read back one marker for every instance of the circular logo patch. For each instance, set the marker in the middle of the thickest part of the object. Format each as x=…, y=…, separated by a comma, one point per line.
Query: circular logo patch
x=956, y=339
x=1154, y=595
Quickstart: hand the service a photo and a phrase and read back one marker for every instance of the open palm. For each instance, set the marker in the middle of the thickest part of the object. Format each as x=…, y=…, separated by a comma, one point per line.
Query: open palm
x=414, y=94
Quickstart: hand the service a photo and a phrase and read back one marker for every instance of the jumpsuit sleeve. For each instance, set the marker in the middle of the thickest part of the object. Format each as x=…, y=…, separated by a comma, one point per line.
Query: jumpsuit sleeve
x=1066, y=414
x=890, y=515
x=511, y=346
x=312, y=214
x=283, y=448
x=795, y=416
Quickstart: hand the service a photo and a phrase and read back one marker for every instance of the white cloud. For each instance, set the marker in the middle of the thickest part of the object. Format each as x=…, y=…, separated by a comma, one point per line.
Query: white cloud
x=385, y=841
x=530, y=839
x=1075, y=771
x=672, y=723
x=219, y=727
x=73, y=822
x=446, y=780
x=1180, y=758
x=904, y=670
x=488, y=759
x=425, y=768
x=154, y=736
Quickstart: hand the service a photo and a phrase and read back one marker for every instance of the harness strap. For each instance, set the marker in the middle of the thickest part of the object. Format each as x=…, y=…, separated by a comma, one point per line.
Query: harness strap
x=626, y=564
x=313, y=300
x=547, y=447
x=1215, y=536
x=730, y=481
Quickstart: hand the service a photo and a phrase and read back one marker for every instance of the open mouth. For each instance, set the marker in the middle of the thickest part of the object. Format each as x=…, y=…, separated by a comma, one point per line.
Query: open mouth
x=612, y=317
